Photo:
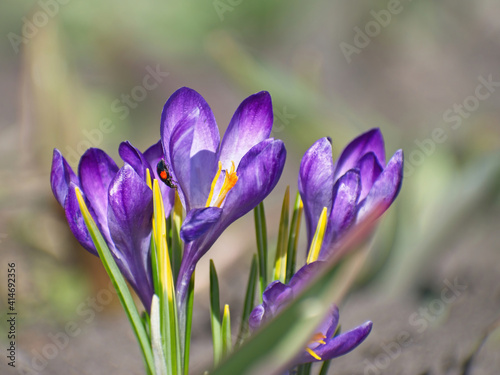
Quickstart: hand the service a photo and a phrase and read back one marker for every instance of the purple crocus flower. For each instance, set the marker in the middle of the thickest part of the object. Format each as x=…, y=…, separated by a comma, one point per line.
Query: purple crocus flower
x=359, y=182
x=217, y=181
x=323, y=345
x=121, y=204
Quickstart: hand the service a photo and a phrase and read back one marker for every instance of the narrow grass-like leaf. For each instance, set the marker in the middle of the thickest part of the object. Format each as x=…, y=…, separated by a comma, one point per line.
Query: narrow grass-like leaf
x=189, y=320
x=324, y=367
x=261, y=234
x=304, y=369
x=249, y=301
x=159, y=357
x=293, y=238
x=176, y=249
x=270, y=350
x=317, y=240
x=215, y=314
x=280, y=260
x=168, y=307
x=227, y=342
x=119, y=283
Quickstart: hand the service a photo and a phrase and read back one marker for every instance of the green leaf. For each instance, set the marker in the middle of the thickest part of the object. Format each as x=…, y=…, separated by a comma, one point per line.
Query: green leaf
x=280, y=261
x=227, y=343
x=119, y=283
x=249, y=301
x=189, y=320
x=261, y=234
x=215, y=314
x=293, y=238
x=304, y=369
x=159, y=356
x=324, y=367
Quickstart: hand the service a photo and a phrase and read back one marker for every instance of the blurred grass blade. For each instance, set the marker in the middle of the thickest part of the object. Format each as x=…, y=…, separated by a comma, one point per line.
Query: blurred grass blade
x=119, y=283
x=215, y=314
x=261, y=234
x=227, y=343
x=325, y=367
x=189, y=321
x=280, y=260
x=159, y=357
x=249, y=301
x=270, y=350
x=293, y=238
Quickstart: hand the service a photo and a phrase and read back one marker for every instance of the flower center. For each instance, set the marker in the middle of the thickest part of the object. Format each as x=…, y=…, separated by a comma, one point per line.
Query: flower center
x=318, y=338
x=230, y=180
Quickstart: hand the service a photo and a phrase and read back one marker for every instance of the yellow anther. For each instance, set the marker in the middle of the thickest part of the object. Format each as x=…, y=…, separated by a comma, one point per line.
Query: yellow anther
x=318, y=338
x=148, y=178
x=212, y=187
x=230, y=180
x=318, y=238
x=310, y=351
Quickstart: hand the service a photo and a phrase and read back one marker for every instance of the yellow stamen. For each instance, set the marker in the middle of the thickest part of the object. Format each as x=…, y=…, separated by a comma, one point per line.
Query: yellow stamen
x=229, y=181
x=148, y=178
x=214, y=182
x=310, y=351
x=318, y=238
x=317, y=338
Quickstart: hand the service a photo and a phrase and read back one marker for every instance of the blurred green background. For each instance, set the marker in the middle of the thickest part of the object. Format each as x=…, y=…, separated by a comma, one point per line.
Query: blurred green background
x=74, y=75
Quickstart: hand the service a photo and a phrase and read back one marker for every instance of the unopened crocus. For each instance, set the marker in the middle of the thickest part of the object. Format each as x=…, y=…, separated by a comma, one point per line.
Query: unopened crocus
x=121, y=204
x=359, y=182
x=324, y=345
x=217, y=181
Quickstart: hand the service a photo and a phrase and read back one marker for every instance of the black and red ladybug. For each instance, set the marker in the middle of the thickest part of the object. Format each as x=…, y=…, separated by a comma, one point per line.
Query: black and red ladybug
x=164, y=174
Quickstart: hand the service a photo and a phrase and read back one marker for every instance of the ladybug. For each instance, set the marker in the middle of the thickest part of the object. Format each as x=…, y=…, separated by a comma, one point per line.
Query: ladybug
x=164, y=174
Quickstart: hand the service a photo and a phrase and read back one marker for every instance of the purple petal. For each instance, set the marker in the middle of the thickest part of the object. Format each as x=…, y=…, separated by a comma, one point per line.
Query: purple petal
x=385, y=189
x=153, y=156
x=187, y=103
x=331, y=322
x=275, y=297
x=256, y=316
x=194, y=173
x=76, y=221
x=135, y=158
x=304, y=275
x=96, y=170
x=251, y=123
x=371, y=141
x=341, y=344
x=61, y=176
x=198, y=221
x=129, y=216
x=369, y=169
x=258, y=173
x=316, y=183
x=345, y=198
